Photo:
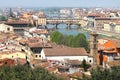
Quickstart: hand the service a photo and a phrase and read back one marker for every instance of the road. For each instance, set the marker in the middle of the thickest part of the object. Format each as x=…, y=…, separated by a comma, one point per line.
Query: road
x=107, y=33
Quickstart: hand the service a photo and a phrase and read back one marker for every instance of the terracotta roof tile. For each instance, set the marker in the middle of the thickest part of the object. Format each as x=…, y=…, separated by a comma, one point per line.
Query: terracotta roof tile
x=37, y=44
x=16, y=22
x=116, y=43
x=43, y=31
x=65, y=51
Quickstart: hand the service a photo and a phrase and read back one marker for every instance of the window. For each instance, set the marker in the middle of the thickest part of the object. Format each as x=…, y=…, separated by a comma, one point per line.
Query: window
x=23, y=50
x=90, y=61
x=8, y=29
x=39, y=55
x=36, y=56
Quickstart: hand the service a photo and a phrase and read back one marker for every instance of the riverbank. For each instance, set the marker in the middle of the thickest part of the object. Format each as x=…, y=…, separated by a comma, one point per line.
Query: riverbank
x=105, y=34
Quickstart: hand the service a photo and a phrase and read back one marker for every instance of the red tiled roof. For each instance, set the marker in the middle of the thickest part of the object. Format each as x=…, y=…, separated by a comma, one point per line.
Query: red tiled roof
x=65, y=52
x=109, y=51
x=3, y=40
x=95, y=15
x=43, y=31
x=100, y=46
x=36, y=44
x=116, y=43
x=16, y=22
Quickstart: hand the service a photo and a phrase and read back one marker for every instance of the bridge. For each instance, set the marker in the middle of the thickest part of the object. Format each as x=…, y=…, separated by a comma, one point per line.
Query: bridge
x=67, y=21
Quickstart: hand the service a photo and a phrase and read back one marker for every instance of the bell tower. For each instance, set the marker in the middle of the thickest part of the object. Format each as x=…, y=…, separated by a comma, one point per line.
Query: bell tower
x=93, y=47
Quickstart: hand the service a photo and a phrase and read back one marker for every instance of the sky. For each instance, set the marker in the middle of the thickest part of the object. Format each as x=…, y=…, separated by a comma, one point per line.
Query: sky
x=60, y=3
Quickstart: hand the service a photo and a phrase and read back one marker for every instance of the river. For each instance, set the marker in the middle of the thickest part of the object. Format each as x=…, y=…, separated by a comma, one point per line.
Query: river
x=73, y=31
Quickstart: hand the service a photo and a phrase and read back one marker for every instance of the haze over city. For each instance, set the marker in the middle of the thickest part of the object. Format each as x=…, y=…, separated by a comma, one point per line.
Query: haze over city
x=59, y=39
x=60, y=3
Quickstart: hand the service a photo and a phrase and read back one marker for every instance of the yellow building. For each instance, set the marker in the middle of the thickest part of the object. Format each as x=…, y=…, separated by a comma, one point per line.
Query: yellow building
x=83, y=23
x=117, y=28
x=12, y=55
x=112, y=26
x=100, y=21
x=26, y=17
x=106, y=27
x=42, y=20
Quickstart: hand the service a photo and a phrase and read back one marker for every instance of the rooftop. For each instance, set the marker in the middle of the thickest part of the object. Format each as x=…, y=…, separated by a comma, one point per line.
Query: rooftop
x=65, y=51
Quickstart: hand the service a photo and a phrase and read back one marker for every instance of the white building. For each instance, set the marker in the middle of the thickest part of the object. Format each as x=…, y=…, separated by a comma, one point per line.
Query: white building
x=6, y=28
x=65, y=11
x=66, y=53
x=35, y=32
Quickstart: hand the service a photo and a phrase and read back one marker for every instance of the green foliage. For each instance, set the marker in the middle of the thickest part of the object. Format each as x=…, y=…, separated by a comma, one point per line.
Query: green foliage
x=3, y=18
x=80, y=41
x=56, y=37
x=25, y=73
x=98, y=74
x=85, y=65
x=115, y=73
x=107, y=74
x=71, y=41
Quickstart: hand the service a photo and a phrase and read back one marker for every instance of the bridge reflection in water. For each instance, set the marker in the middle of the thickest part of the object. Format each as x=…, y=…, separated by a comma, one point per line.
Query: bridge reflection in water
x=68, y=22
x=73, y=31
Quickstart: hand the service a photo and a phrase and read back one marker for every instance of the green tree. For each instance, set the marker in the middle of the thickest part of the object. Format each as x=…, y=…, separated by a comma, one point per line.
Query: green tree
x=3, y=18
x=85, y=65
x=115, y=72
x=80, y=41
x=107, y=74
x=56, y=37
x=69, y=40
x=20, y=72
x=98, y=74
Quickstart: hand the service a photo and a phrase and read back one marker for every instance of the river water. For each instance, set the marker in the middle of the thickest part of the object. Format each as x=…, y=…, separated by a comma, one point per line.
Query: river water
x=73, y=31
x=54, y=12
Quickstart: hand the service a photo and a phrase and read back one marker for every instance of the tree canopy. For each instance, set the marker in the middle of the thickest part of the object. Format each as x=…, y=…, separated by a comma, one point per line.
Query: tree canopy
x=85, y=65
x=70, y=40
x=20, y=72
x=3, y=18
x=107, y=74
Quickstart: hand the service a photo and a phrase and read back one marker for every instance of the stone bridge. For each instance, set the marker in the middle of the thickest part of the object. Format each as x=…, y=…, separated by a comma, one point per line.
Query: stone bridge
x=68, y=22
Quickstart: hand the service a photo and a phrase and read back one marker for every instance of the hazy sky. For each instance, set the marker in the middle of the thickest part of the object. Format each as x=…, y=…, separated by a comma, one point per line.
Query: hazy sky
x=59, y=3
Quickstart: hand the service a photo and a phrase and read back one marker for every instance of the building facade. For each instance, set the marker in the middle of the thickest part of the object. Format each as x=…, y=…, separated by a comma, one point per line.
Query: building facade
x=63, y=54
x=6, y=28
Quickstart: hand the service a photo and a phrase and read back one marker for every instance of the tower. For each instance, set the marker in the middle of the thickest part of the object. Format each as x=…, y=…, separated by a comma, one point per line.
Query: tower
x=93, y=47
x=10, y=13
